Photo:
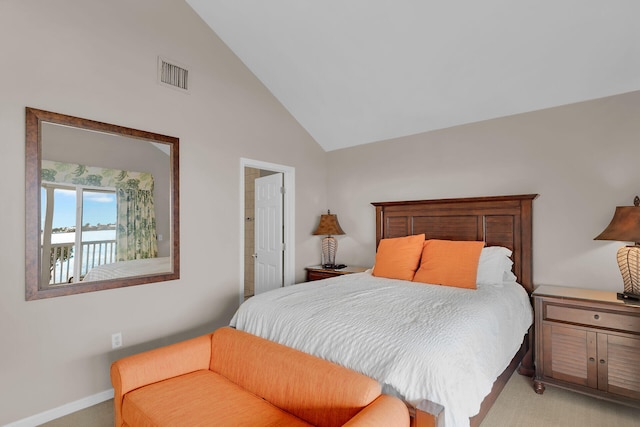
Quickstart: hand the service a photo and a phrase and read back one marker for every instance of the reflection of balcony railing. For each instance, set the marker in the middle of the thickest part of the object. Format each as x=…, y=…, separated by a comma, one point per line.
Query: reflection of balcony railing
x=61, y=263
x=63, y=257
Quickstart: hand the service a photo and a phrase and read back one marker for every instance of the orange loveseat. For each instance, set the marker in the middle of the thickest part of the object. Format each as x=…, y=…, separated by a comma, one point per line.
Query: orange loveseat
x=232, y=378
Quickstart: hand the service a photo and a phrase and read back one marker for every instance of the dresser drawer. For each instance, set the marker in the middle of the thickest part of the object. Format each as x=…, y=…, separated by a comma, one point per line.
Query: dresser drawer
x=590, y=316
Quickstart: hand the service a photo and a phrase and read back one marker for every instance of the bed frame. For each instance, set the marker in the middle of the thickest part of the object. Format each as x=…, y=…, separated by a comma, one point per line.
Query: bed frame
x=498, y=221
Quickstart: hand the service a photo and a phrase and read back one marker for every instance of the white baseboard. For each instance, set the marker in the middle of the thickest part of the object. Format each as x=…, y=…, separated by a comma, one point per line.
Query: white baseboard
x=61, y=411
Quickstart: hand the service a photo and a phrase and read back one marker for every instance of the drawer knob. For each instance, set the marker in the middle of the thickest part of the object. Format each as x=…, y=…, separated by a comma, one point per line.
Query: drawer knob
x=602, y=361
x=591, y=359
x=596, y=316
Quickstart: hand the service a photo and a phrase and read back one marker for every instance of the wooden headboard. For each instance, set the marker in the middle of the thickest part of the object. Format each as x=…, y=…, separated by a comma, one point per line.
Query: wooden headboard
x=498, y=221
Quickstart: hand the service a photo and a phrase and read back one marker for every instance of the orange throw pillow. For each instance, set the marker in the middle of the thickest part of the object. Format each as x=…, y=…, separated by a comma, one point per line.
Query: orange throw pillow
x=398, y=258
x=449, y=263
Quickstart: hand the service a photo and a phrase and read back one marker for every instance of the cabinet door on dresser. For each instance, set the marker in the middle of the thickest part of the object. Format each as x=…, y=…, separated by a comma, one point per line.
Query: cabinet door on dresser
x=619, y=365
x=592, y=359
x=570, y=355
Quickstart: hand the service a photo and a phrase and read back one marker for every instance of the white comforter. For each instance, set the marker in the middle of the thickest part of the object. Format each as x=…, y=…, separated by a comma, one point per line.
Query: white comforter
x=419, y=341
x=136, y=267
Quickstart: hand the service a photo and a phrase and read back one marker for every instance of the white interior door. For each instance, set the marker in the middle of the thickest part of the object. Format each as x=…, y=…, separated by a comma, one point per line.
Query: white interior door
x=268, y=257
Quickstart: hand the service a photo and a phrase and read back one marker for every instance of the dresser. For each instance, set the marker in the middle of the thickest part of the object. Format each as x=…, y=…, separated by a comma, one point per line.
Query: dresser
x=318, y=272
x=587, y=341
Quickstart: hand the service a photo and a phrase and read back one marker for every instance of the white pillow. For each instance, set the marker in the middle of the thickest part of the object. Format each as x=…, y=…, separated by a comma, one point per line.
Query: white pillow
x=509, y=276
x=494, y=266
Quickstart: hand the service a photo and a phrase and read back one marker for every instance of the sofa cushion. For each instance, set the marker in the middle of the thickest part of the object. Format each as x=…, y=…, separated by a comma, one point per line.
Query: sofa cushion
x=155, y=365
x=321, y=393
x=201, y=398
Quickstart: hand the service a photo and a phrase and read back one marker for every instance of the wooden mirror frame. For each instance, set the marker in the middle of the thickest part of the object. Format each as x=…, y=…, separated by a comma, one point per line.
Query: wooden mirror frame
x=33, y=157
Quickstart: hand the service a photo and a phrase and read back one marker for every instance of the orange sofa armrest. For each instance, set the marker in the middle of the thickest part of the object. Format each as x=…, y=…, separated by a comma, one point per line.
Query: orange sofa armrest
x=152, y=366
x=385, y=411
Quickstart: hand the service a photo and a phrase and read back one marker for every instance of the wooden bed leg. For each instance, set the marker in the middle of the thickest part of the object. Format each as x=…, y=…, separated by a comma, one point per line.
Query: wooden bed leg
x=428, y=414
x=526, y=365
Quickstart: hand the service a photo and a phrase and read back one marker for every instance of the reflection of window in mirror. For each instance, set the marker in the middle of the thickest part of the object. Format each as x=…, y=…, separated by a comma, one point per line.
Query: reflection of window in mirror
x=88, y=236
x=65, y=210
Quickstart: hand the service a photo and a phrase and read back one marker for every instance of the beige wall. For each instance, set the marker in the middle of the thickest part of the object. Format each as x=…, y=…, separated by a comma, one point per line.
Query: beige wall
x=582, y=159
x=97, y=60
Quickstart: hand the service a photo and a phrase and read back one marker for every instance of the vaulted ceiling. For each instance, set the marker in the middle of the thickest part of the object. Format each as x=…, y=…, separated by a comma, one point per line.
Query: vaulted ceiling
x=353, y=72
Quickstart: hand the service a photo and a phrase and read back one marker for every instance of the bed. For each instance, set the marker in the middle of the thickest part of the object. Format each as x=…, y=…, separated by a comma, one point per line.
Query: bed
x=395, y=331
x=136, y=267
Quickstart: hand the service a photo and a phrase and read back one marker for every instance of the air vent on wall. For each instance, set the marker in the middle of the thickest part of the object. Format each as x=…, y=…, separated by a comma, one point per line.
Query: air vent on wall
x=173, y=75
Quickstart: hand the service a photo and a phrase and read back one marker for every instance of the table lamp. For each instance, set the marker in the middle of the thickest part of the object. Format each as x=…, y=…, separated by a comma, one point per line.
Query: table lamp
x=329, y=226
x=625, y=226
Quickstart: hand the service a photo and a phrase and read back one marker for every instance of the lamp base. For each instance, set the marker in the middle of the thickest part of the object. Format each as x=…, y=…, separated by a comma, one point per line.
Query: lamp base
x=630, y=299
x=329, y=249
x=629, y=264
x=334, y=266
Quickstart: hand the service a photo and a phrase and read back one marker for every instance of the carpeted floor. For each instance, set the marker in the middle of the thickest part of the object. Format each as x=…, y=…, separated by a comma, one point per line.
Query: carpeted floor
x=517, y=406
x=100, y=415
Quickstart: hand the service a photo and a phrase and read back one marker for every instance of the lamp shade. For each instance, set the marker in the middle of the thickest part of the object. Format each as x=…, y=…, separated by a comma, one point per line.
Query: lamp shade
x=625, y=225
x=328, y=225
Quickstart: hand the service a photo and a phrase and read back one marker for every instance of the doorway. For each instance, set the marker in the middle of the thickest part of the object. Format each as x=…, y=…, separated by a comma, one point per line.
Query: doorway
x=251, y=170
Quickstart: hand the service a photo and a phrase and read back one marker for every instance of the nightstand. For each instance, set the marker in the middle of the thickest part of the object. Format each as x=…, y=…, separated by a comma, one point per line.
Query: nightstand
x=587, y=341
x=317, y=272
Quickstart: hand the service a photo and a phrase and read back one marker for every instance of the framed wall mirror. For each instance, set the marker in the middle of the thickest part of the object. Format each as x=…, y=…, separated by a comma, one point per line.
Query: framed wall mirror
x=102, y=206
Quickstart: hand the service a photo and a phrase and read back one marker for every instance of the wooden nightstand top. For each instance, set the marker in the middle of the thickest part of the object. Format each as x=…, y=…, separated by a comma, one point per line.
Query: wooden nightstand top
x=347, y=270
x=577, y=293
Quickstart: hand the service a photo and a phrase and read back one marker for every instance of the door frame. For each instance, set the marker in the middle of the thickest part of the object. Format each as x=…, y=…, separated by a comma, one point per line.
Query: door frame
x=288, y=212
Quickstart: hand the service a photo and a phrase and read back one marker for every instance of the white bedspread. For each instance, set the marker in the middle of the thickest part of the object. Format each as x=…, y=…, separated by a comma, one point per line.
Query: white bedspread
x=136, y=267
x=419, y=341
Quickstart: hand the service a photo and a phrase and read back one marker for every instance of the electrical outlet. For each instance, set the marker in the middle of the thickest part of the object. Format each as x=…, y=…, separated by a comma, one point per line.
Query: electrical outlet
x=116, y=340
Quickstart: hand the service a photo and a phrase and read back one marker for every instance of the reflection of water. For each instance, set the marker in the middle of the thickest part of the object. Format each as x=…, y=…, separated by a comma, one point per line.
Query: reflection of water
x=87, y=236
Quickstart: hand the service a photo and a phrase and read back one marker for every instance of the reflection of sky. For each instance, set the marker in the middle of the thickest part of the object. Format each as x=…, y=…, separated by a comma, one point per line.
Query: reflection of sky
x=99, y=208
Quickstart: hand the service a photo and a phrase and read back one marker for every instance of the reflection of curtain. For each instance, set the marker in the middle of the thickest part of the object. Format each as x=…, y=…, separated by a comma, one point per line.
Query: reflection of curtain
x=136, y=230
x=94, y=176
